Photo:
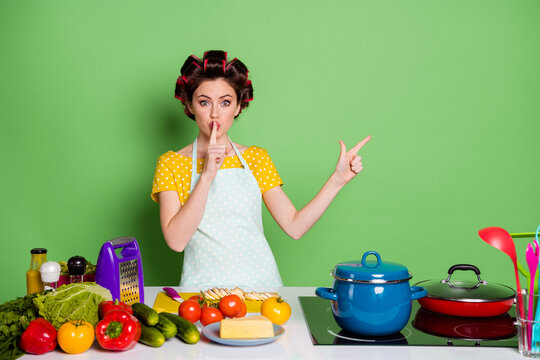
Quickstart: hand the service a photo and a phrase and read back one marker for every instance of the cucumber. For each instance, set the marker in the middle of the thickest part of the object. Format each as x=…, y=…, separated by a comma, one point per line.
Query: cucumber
x=151, y=336
x=186, y=331
x=166, y=326
x=145, y=313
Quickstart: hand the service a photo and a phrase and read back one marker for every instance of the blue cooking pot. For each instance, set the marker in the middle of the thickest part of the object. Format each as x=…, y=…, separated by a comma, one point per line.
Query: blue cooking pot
x=371, y=298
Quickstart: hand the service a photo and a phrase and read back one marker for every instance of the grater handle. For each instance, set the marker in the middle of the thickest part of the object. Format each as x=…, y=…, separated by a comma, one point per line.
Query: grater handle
x=121, y=241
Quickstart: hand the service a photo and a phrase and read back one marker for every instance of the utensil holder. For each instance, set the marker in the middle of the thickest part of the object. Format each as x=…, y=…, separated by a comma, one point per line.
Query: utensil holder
x=528, y=330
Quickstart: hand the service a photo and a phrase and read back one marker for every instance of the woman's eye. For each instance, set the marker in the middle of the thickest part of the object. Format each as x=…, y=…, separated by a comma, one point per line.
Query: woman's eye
x=226, y=103
x=203, y=103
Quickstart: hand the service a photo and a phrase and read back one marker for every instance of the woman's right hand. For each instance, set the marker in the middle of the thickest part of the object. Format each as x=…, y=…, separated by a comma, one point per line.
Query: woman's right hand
x=215, y=154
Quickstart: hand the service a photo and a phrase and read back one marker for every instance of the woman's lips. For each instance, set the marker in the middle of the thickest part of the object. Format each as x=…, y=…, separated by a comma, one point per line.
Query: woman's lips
x=212, y=125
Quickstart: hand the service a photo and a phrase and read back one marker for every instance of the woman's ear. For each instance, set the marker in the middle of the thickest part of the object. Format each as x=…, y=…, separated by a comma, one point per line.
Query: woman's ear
x=238, y=107
x=188, y=104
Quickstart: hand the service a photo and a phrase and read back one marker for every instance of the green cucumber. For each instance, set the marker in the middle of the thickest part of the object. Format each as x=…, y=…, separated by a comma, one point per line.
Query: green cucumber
x=145, y=314
x=166, y=326
x=186, y=331
x=151, y=336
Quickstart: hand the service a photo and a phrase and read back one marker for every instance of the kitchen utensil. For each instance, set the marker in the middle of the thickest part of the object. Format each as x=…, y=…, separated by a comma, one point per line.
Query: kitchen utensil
x=520, y=267
x=164, y=303
x=532, y=261
x=121, y=273
x=212, y=332
x=465, y=328
x=173, y=294
x=501, y=239
x=466, y=298
x=371, y=298
x=535, y=343
x=524, y=325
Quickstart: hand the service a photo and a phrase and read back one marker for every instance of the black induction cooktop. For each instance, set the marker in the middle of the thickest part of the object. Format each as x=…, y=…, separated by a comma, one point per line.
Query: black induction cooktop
x=424, y=328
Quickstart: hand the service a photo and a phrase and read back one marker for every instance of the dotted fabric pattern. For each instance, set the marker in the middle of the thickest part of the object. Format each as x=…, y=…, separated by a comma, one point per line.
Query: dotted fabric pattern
x=173, y=171
x=228, y=248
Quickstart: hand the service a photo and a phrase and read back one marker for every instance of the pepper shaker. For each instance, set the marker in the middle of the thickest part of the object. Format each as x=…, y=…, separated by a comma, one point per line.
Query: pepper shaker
x=77, y=267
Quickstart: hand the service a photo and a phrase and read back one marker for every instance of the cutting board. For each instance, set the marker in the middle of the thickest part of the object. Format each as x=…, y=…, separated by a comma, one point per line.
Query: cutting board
x=164, y=303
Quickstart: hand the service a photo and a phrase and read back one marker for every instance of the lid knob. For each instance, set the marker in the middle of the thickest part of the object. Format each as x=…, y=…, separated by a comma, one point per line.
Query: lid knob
x=366, y=254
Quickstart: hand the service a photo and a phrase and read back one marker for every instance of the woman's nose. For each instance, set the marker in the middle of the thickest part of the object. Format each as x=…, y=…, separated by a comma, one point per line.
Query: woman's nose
x=214, y=112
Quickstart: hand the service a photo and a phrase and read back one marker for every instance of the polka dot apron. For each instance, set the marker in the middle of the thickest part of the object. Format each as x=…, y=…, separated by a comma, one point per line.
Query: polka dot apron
x=229, y=249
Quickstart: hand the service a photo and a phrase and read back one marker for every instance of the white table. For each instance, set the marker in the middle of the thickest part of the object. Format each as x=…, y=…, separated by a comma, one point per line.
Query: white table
x=294, y=344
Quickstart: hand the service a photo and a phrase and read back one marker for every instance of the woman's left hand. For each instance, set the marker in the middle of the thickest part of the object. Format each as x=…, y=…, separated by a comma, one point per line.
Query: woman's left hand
x=349, y=162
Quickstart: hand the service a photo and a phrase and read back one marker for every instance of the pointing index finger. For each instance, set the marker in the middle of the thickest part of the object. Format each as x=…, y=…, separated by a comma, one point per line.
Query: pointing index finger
x=358, y=146
x=213, y=134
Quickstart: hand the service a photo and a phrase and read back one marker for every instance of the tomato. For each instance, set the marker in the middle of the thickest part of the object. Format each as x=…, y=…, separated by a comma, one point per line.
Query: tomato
x=210, y=315
x=199, y=299
x=190, y=310
x=230, y=305
x=276, y=309
x=196, y=298
x=243, y=312
x=76, y=336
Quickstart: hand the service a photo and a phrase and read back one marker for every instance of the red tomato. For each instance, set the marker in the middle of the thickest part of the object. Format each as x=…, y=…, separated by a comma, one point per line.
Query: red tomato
x=210, y=315
x=230, y=305
x=190, y=311
x=199, y=300
x=243, y=312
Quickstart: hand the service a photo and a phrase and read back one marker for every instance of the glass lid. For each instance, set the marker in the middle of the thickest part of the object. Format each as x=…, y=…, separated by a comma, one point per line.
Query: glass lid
x=469, y=291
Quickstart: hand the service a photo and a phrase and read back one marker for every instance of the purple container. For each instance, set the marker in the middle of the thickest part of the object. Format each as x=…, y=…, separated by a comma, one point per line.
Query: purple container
x=121, y=271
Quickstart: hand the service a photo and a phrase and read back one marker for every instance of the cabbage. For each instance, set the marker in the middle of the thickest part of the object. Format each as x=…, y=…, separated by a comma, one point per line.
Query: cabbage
x=72, y=302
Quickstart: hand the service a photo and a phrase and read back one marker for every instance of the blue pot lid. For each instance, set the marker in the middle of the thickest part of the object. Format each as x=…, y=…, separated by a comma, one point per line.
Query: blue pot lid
x=372, y=271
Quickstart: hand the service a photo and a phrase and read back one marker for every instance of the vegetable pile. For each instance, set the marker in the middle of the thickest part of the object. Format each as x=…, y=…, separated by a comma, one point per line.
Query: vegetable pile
x=156, y=328
x=78, y=301
x=15, y=316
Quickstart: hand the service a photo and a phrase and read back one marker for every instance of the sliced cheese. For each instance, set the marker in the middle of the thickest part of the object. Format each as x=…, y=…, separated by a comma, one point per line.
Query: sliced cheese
x=249, y=327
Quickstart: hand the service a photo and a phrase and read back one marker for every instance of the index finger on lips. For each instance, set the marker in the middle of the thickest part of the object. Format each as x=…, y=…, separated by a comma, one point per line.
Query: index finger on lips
x=358, y=146
x=213, y=134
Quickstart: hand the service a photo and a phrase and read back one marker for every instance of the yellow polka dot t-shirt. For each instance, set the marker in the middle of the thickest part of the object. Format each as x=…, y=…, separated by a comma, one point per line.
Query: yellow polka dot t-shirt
x=173, y=171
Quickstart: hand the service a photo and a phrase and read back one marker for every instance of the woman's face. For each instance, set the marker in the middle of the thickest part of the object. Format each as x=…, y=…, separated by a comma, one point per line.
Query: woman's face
x=214, y=100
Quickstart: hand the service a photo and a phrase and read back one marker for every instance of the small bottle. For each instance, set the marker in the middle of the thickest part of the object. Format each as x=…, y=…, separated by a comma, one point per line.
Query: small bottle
x=34, y=284
x=50, y=274
x=77, y=268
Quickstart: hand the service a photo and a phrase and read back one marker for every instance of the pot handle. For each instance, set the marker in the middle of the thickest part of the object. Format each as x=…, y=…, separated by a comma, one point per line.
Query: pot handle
x=417, y=292
x=326, y=293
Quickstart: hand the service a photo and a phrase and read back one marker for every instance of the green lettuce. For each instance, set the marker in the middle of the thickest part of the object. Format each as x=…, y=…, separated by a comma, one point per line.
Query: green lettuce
x=72, y=302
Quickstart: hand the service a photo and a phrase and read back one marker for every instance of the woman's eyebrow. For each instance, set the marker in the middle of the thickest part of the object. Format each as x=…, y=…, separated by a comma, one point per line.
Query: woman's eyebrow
x=206, y=96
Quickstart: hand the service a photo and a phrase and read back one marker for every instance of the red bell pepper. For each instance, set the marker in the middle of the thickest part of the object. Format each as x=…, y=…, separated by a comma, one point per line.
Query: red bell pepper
x=119, y=330
x=39, y=337
x=106, y=306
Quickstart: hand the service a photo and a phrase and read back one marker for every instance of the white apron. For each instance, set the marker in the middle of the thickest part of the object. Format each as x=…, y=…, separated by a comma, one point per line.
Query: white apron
x=229, y=249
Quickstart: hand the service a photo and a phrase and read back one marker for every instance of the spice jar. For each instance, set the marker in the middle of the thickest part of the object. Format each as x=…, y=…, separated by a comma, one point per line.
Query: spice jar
x=50, y=273
x=77, y=267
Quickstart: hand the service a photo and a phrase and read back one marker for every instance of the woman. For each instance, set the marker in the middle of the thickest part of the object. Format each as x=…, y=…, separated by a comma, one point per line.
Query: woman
x=211, y=208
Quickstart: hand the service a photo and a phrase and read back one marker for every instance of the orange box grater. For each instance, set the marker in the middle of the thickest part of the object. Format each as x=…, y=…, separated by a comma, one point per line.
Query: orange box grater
x=121, y=271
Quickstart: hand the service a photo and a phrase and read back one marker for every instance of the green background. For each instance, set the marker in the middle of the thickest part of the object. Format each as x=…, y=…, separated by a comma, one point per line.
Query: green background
x=449, y=91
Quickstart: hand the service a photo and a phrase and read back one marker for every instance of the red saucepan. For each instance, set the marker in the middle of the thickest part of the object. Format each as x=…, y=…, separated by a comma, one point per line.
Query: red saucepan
x=466, y=298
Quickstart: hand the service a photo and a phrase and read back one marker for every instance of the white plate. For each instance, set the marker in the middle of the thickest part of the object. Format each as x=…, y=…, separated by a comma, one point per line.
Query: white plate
x=212, y=332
